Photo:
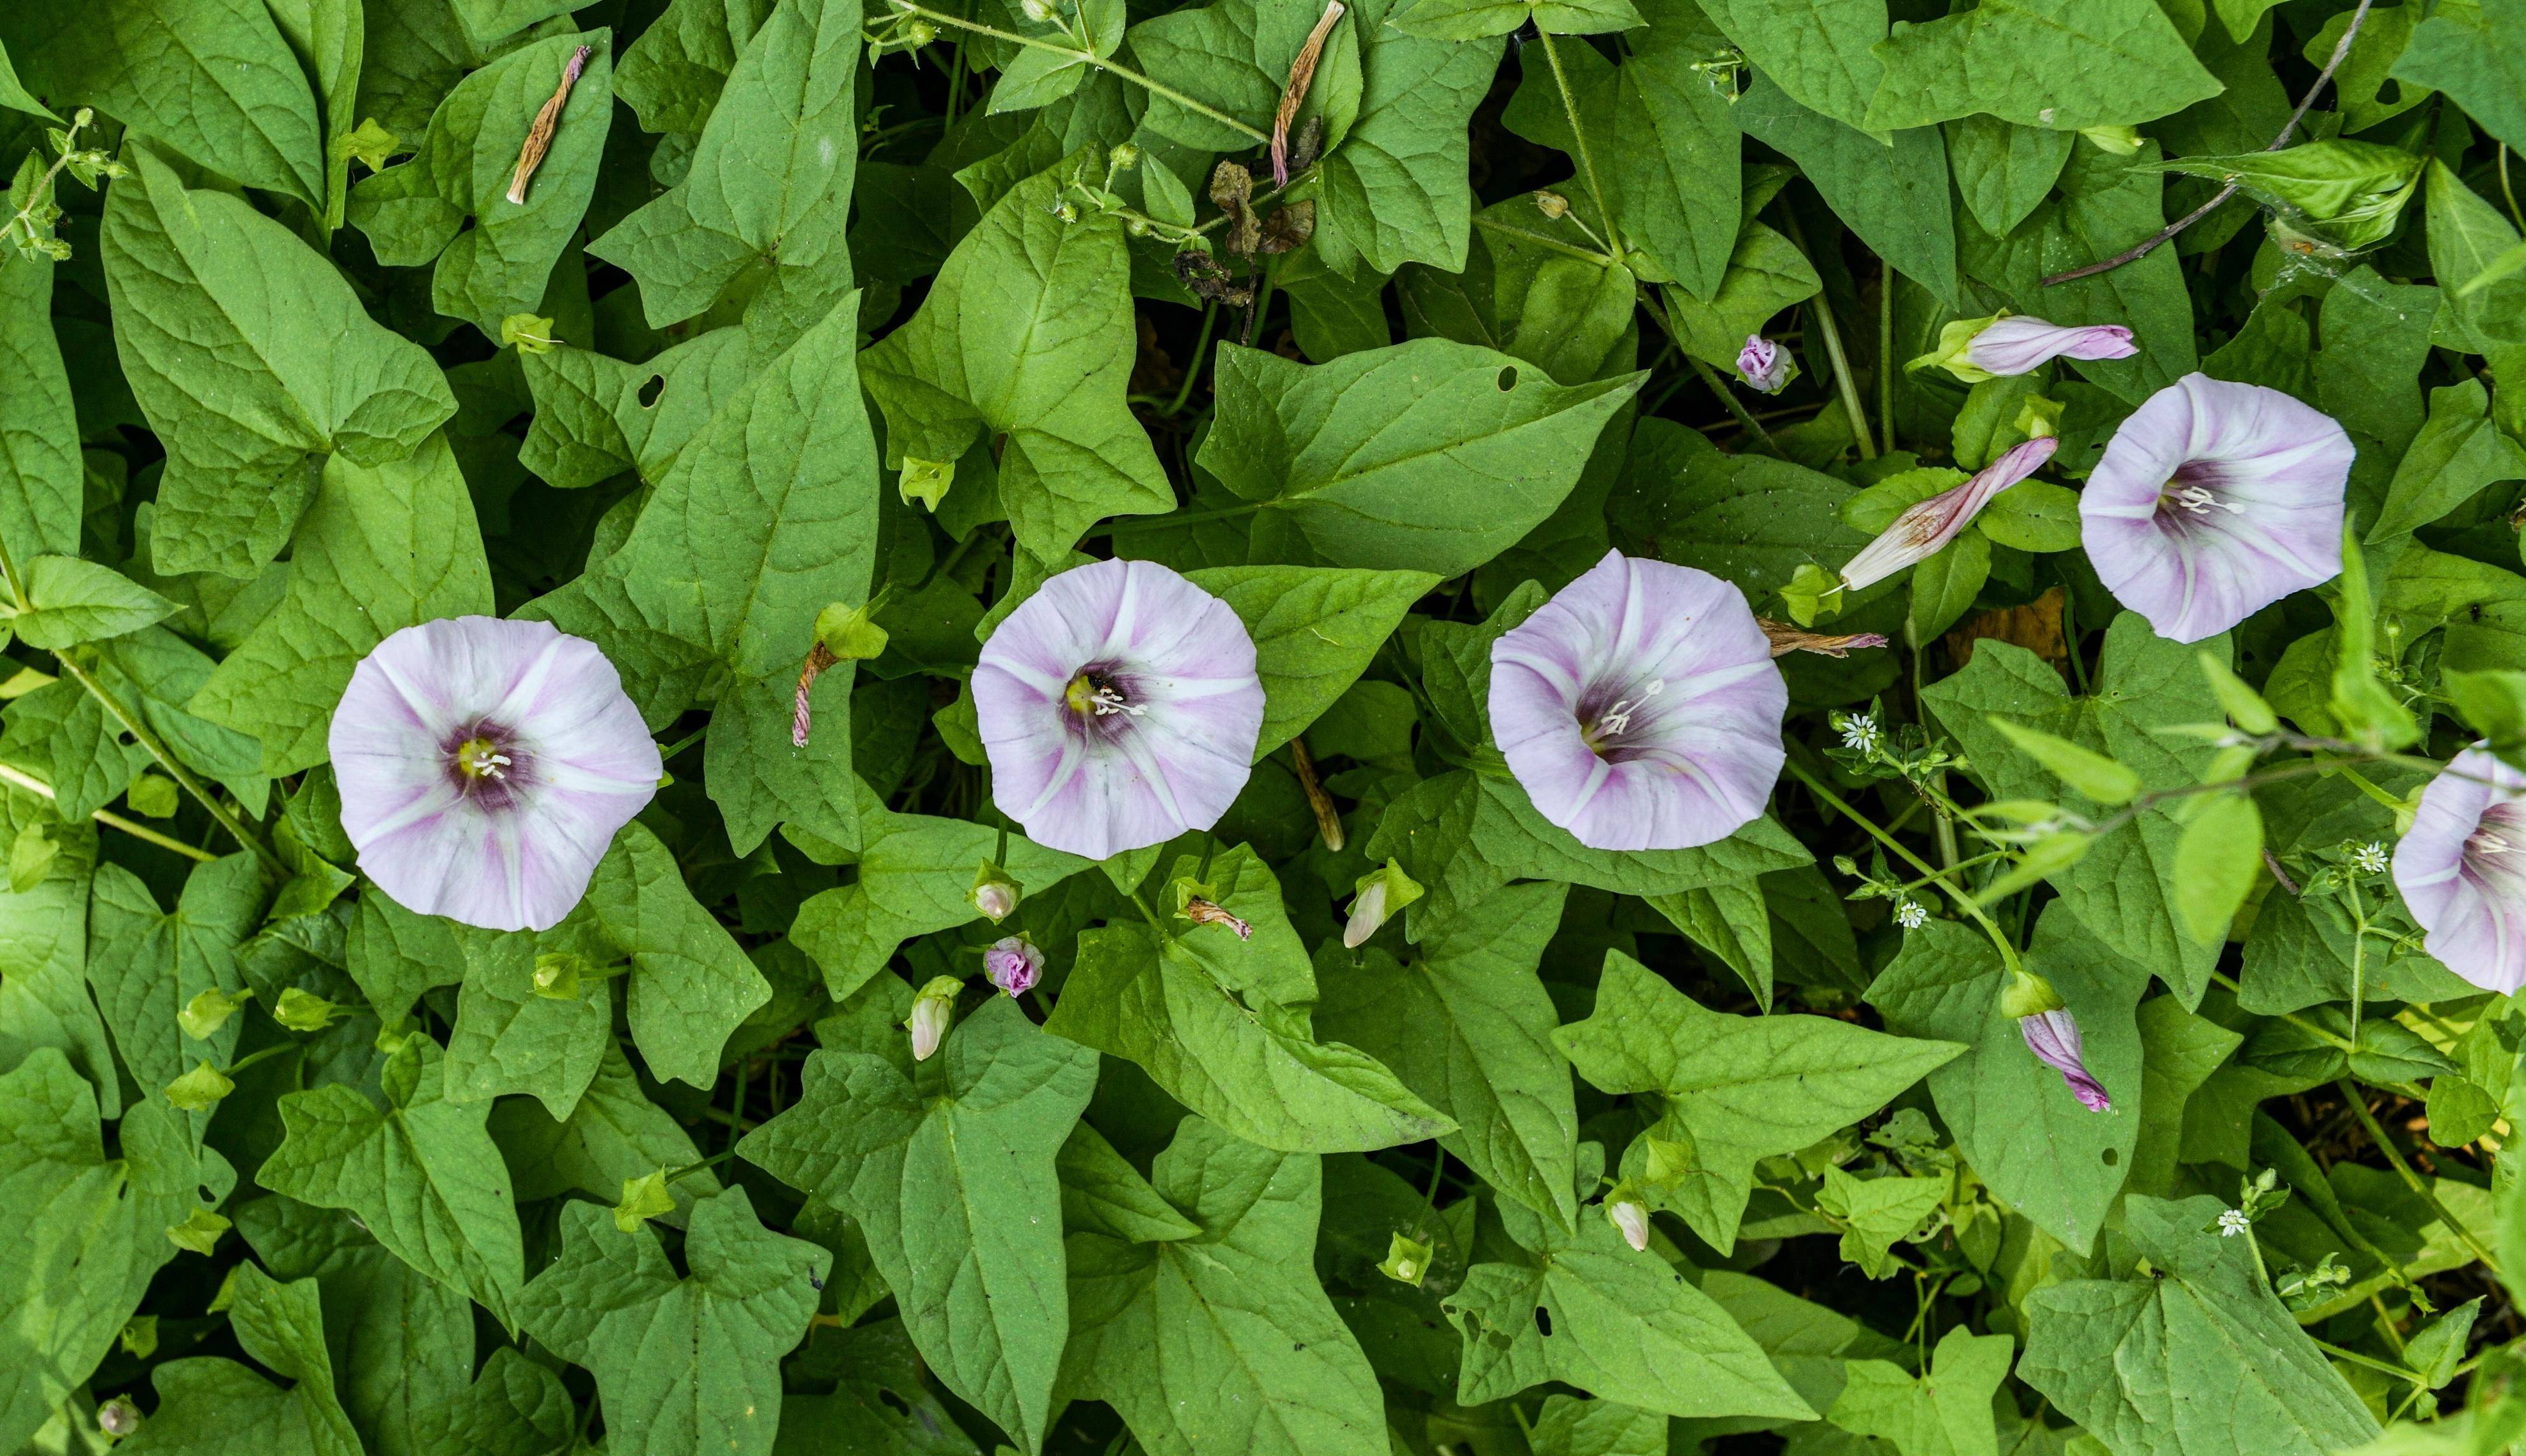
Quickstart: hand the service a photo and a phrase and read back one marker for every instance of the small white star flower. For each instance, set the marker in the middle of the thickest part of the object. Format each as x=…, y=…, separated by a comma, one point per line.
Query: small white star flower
x=1911, y=916
x=1858, y=733
x=2233, y=1222
x=2369, y=858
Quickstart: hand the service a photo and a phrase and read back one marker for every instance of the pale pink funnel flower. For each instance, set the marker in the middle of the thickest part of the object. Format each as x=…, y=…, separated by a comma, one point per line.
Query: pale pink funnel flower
x=1640, y=707
x=484, y=766
x=2053, y=1037
x=2016, y=345
x=2462, y=869
x=1119, y=707
x=1764, y=365
x=1926, y=526
x=2214, y=501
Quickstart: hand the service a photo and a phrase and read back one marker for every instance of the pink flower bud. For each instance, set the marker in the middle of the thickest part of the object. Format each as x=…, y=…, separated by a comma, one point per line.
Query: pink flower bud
x=1013, y=964
x=119, y=1417
x=1925, y=529
x=933, y=1011
x=1631, y=1219
x=2053, y=1037
x=1765, y=366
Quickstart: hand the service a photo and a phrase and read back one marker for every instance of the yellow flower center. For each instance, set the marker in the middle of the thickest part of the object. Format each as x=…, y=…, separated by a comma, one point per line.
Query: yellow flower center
x=480, y=758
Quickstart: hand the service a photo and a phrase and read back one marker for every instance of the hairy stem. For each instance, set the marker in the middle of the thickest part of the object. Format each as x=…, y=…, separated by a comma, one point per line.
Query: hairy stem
x=1088, y=58
x=141, y=831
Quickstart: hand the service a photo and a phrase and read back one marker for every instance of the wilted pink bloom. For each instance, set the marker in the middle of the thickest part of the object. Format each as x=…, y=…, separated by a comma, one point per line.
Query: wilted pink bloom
x=1119, y=707
x=2019, y=344
x=1926, y=526
x=2214, y=501
x=1764, y=365
x=2053, y=1037
x=2462, y=869
x=1013, y=964
x=484, y=766
x=1640, y=707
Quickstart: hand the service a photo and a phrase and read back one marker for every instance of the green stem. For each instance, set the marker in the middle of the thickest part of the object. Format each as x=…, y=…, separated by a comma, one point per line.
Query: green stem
x=1578, y=135
x=1886, y=356
x=1539, y=241
x=1181, y=518
x=1088, y=58
x=2369, y=1361
x=1841, y=378
x=2412, y=1180
x=2330, y=1039
x=166, y=759
x=1201, y=352
x=1964, y=901
x=142, y=832
x=1746, y=420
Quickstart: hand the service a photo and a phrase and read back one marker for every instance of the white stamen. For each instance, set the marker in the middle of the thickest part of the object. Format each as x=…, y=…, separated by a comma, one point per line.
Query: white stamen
x=2200, y=501
x=1619, y=717
x=2488, y=843
x=1109, y=700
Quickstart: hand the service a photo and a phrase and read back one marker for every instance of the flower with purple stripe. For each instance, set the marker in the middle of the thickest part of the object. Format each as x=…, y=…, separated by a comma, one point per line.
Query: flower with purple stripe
x=1119, y=707
x=2214, y=501
x=2053, y=1037
x=1926, y=526
x=1640, y=707
x=484, y=767
x=2462, y=869
x=1978, y=349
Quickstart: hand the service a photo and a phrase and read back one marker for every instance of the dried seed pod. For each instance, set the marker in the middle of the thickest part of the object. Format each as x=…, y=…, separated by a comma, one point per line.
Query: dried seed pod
x=1289, y=229
x=1302, y=75
x=1232, y=187
x=539, y=136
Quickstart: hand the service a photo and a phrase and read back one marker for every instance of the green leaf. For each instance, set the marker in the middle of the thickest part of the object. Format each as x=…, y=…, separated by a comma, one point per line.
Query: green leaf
x=1943, y=587
x=394, y=955
x=1660, y=139
x=1731, y=921
x=1279, y=1376
x=2198, y=1355
x=2216, y=863
x=950, y=1173
x=1314, y=633
x=147, y=965
x=70, y=601
x=1235, y=55
x=40, y=472
x=2349, y=193
x=1739, y=1088
x=1620, y=1324
x=983, y=358
x=1597, y=1428
x=1766, y=274
x=1256, y=1069
x=673, y=74
x=691, y=985
x=383, y=549
x=2016, y=1121
x=1880, y=1212
x=2069, y=65
x=2124, y=889
x=450, y=201
x=1472, y=20
x=214, y=80
x=420, y=1173
x=614, y=1133
x=282, y=1326
x=2468, y=238
x=250, y=357
x=2003, y=170
x=1821, y=52
x=683, y=1365
x=1429, y=456
x=1467, y=1026
x=91, y=1232
x=2474, y=54
x=916, y=877
x=2079, y=770
x=1750, y=518
x=1894, y=196
x=1945, y=1412
x=511, y=1036
x=769, y=183
x=44, y=997
x=2458, y=453
x=2033, y=515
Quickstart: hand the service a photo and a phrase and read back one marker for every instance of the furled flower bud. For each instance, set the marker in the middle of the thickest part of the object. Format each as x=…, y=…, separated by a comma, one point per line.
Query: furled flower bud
x=2119, y=141
x=1036, y=10
x=1630, y=1217
x=1925, y=527
x=644, y=1199
x=1978, y=349
x=920, y=33
x=1013, y=963
x=1552, y=205
x=2028, y=994
x=1407, y=1260
x=995, y=894
x=119, y=1417
x=1123, y=156
x=933, y=1011
x=1787, y=639
x=1383, y=893
x=527, y=334
x=2053, y=1037
x=1765, y=366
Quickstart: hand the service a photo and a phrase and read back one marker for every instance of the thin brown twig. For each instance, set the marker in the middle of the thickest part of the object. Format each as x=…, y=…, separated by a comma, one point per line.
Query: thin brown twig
x=2341, y=50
